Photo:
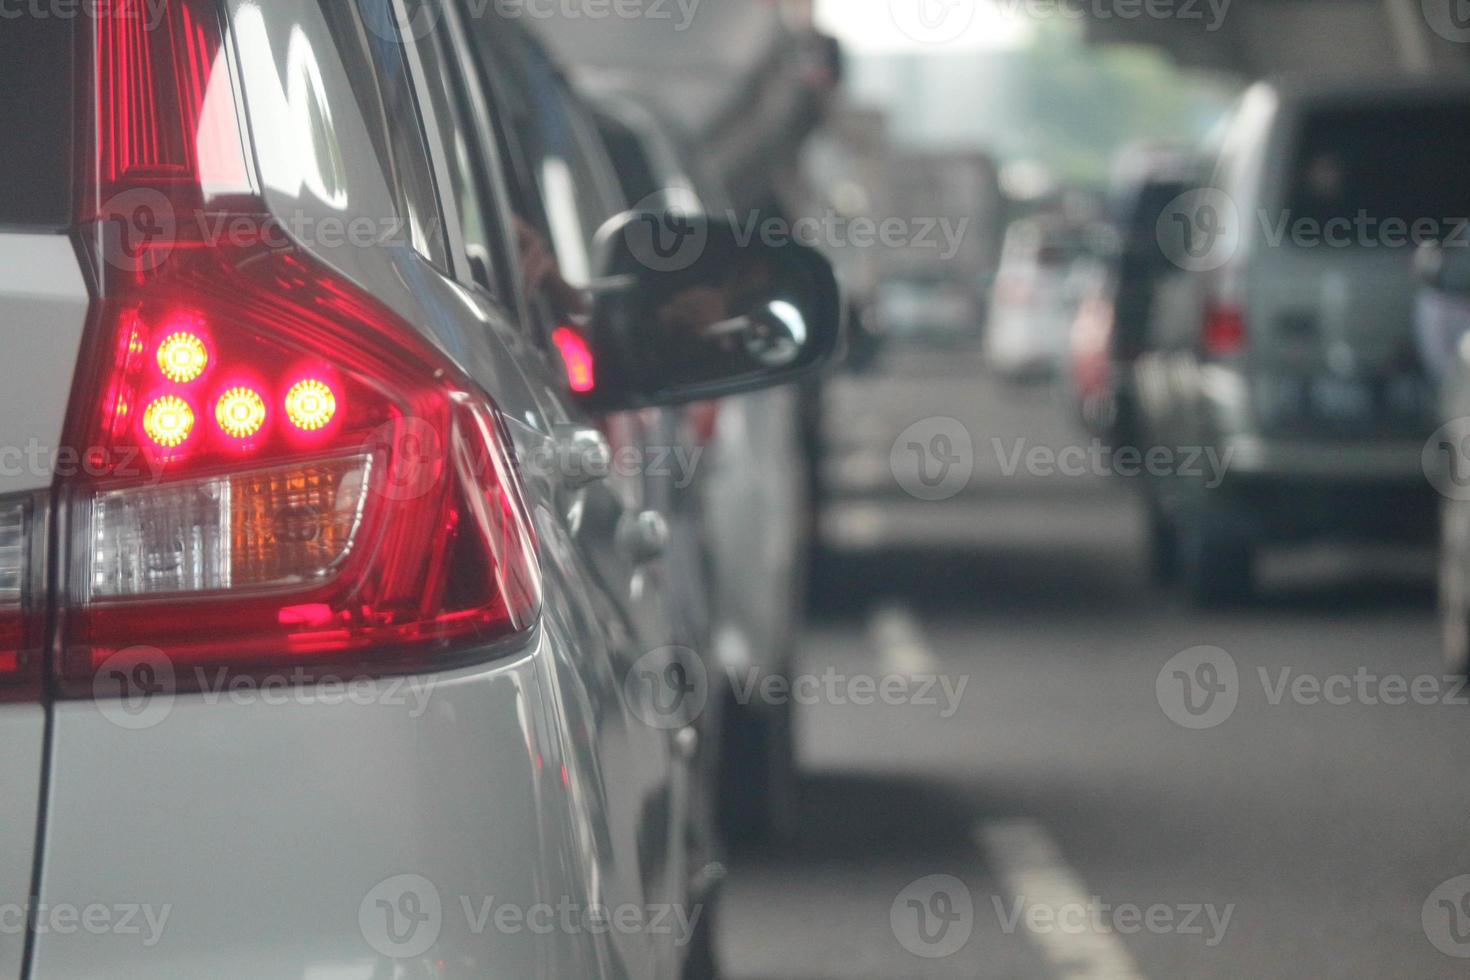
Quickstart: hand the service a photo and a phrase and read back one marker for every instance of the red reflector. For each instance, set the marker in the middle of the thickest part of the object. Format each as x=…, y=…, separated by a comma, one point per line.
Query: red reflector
x=1224, y=331
x=577, y=356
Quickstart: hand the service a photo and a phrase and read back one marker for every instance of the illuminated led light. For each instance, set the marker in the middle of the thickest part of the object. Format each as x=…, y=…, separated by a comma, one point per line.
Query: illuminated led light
x=182, y=357
x=240, y=412
x=168, y=421
x=310, y=405
x=577, y=356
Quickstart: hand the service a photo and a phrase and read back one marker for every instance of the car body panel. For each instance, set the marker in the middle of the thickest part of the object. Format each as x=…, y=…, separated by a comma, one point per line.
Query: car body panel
x=41, y=287
x=45, y=299
x=530, y=778
x=22, y=744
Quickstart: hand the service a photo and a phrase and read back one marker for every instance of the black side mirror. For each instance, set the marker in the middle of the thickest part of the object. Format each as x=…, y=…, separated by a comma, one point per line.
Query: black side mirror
x=687, y=307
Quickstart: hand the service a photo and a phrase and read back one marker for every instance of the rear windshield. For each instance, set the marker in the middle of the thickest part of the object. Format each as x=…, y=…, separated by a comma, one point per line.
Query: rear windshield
x=36, y=117
x=1391, y=161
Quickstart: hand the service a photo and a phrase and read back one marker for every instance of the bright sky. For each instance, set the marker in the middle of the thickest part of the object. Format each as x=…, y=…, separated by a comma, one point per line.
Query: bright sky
x=941, y=26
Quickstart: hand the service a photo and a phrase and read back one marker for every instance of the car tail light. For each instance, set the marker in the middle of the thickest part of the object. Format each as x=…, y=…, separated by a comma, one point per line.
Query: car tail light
x=18, y=621
x=1224, y=329
x=280, y=470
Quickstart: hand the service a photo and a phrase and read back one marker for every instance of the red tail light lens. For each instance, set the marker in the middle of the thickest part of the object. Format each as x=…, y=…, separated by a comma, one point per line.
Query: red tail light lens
x=281, y=471
x=166, y=117
x=1224, y=331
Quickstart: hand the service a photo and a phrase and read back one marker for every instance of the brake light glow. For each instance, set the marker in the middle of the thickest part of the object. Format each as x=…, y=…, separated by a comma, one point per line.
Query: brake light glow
x=240, y=412
x=182, y=357
x=1224, y=329
x=577, y=356
x=168, y=421
x=311, y=404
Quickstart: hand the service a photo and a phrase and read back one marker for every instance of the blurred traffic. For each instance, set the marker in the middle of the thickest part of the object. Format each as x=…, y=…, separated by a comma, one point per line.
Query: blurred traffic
x=889, y=488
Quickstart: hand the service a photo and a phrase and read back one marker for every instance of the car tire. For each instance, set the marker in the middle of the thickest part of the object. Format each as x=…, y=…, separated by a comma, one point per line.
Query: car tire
x=701, y=955
x=1454, y=604
x=1217, y=559
x=1162, y=544
x=758, y=774
x=1455, y=643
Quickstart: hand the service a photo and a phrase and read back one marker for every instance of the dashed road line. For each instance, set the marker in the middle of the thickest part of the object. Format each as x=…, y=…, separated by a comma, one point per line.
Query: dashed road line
x=1034, y=873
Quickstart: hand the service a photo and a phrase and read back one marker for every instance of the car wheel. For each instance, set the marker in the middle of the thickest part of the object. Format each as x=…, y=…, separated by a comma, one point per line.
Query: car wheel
x=1163, y=544
x=1454, y=612
x=701, y=958
x=1455, y=632
x=1217, y=559
x=758, y=774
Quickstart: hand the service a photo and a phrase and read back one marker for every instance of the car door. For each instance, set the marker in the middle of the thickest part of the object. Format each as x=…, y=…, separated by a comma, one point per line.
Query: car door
x=600, y=538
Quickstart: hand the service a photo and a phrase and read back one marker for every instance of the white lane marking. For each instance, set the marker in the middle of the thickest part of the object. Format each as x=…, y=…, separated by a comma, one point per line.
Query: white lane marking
x=1035, y=875
x=899, y=640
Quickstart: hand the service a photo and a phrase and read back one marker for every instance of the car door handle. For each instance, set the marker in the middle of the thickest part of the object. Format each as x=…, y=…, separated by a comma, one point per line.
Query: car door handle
x=644, y=536
x=586, y=457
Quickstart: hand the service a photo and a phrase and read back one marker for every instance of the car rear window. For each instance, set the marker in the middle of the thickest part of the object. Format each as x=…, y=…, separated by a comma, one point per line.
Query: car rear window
x=1391, y=161
x=36, y=86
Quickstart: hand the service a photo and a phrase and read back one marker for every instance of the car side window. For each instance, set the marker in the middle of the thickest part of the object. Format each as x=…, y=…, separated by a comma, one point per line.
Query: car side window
x=474, y=221
x=557, y=194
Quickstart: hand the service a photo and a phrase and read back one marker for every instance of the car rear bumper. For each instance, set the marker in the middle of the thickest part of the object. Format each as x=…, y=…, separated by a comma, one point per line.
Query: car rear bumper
x=312, y=834
x=1367, y=496
x=1395, y=460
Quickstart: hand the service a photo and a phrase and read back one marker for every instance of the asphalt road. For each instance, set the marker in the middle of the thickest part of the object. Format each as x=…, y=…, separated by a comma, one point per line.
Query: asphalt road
x=1305, y=817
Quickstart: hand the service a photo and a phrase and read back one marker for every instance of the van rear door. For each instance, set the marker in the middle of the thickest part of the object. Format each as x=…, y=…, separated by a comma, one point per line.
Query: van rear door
x=1331, y=292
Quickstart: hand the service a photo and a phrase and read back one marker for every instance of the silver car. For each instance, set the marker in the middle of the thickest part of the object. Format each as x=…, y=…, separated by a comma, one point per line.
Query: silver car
x=335, y=635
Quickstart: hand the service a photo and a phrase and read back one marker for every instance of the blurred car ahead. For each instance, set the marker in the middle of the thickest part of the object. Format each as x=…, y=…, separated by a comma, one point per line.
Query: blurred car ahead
x=1035, y=298
x=1113, y=319
x=1287, y=351
x=934, y=310
x=319, y=461
x=748, y=507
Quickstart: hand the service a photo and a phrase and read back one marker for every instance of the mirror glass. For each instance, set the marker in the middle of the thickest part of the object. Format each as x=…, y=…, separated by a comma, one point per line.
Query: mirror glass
x=695, y=309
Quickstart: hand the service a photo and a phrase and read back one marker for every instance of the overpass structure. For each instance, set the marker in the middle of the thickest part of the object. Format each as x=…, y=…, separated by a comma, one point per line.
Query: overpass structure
x=1254, y=38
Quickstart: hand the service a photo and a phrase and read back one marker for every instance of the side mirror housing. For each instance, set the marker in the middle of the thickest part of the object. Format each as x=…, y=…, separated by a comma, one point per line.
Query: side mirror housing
x=686, y=308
